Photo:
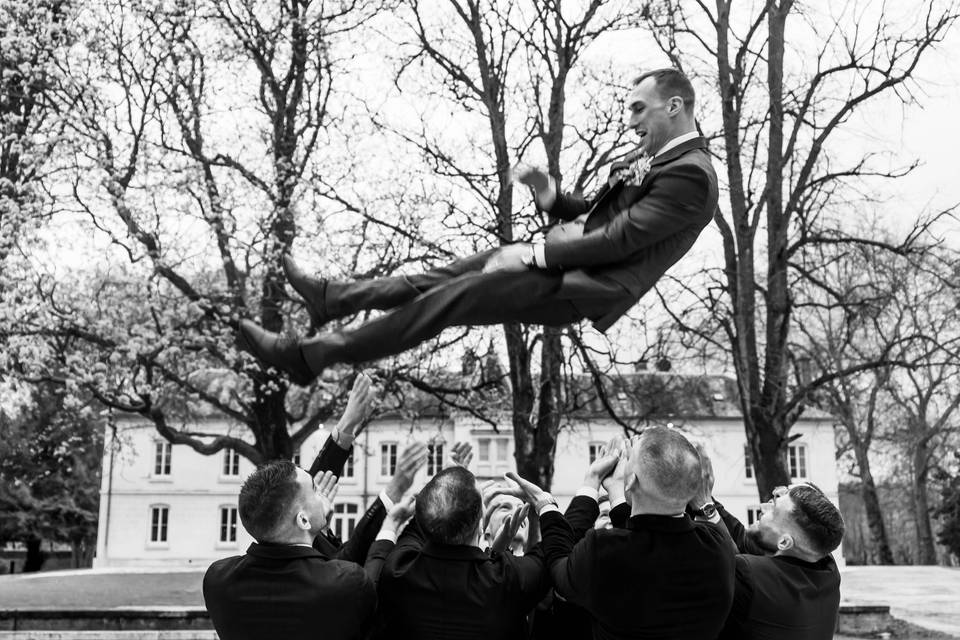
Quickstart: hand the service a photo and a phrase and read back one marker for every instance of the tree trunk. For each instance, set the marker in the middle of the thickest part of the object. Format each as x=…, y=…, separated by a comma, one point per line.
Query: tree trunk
x=881, y=552
x=35, y=556
x=926, y=553
x=769, y=454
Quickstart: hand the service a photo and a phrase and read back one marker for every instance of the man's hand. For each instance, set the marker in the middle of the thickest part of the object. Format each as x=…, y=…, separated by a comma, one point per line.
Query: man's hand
x=460, y=455
x=526, y=491
x=705, y=494
x=614, y=483
x=603, y=466
x=400, y=513
x=411, y=460
x=531, y=176
x=508, y=530
x=509, y=258
x=359, y=405
x=325, y=485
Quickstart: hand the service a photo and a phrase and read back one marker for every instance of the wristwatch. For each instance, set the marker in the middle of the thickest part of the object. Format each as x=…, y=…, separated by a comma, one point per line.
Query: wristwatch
x=708, y=510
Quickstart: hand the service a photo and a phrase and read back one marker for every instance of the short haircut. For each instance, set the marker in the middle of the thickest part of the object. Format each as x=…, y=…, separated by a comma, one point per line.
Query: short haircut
x=671, y=462
x=817, y=517
x=671, y=82
x=449, y=506
x=266, y=497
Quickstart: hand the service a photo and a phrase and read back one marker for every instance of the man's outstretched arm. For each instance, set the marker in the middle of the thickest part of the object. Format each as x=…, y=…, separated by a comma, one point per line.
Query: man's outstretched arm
x=339, y=445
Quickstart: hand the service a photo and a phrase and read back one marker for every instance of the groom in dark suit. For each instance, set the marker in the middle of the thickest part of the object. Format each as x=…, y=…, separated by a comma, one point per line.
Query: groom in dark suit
x=608, y=254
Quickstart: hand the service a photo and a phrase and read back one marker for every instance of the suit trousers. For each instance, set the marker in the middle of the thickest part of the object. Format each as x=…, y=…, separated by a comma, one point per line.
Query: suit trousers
x=459, y=294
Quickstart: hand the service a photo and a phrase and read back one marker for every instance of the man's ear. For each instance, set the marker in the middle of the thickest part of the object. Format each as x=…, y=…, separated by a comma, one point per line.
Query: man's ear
x=785, y=542
x=303, y=522
x=674, y=105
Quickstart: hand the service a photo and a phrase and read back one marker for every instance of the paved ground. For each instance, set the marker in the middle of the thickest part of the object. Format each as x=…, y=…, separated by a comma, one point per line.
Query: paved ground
x=92, y=589
x=925, y=596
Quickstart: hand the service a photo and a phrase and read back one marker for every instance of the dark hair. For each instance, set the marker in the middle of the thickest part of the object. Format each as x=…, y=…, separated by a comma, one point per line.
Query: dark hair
x=669, y=83
x=817, y=517
x=266, y=496
x=449, y=507
x=673, y=463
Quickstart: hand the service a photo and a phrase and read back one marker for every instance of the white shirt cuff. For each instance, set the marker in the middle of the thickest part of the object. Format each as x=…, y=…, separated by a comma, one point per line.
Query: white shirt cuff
x=617, y=502
x=548, y=196
x=589, y=492
x=385, y=499
x=540, y=255
x=343, y=440
x=387, y=534
x=548, y=508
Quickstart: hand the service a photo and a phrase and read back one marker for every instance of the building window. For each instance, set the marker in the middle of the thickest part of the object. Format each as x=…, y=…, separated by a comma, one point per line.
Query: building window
x=747, y=462
x=594, y=451
x=388, y=459
x=231, y=462
x=434, y=458
x=159, y=516
x=228, y=524
x=161, y=465
x=344, y=519
x=797, y=457
x=493, y=456
x=753, y=515
x=348, y=466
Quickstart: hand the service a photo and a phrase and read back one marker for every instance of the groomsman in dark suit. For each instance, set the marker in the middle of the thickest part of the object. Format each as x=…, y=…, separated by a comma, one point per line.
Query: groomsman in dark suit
x=787, y=582
x=664, y=575
x=283, y=587
x=438, y=583
x=610, y=252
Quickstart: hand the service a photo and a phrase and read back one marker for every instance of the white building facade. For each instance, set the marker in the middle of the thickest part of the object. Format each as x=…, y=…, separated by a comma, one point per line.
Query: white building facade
x=169, y=505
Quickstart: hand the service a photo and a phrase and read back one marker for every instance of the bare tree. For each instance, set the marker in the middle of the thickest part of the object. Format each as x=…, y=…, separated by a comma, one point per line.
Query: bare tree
x=786, y=183
x=201, y=211
x=494, y=60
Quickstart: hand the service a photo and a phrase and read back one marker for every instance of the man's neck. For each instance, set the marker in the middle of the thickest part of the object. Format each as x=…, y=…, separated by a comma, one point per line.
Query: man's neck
x=689, y=131
x=301, y=538
x=641, y=509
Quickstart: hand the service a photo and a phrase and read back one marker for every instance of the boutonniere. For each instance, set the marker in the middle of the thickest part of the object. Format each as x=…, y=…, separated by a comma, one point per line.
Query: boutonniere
x=639, y=169
x=635, y=170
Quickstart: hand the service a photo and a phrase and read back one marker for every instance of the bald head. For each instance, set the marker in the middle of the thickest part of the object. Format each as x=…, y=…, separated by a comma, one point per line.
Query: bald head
x=667, y=469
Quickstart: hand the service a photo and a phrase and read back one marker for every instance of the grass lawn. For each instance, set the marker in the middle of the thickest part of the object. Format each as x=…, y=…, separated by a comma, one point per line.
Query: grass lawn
x=95, y=589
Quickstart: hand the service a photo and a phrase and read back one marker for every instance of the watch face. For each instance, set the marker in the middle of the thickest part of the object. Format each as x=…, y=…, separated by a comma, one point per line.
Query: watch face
x=708, y=510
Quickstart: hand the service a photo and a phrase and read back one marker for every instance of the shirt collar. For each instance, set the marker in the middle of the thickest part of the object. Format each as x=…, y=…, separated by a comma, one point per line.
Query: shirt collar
x=690, y=135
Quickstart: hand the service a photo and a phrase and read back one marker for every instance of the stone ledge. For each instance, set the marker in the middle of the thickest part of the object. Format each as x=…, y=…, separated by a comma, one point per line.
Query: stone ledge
x=105, y=619
x=864, y=619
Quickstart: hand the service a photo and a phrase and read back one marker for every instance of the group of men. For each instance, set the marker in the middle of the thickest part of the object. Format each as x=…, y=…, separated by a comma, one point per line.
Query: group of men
x=500, y=560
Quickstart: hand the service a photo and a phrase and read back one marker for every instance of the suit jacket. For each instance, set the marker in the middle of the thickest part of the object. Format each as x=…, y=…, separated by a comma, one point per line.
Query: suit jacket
x=291, y=592
x=781, y=598
x=633, y=234
x=433, y=591
x=661, y=577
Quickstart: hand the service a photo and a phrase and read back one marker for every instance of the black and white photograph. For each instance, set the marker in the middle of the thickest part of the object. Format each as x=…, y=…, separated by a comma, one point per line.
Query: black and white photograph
x=479, y=320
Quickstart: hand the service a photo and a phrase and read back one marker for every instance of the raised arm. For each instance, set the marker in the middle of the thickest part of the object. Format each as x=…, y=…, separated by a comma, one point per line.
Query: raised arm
x=337, y=447
x=411, y=460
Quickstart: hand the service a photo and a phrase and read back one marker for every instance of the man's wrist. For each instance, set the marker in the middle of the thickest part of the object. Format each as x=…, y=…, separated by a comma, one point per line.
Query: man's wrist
x=343, y=435
x=545, y=502
x=390, y=496
x=388, y=532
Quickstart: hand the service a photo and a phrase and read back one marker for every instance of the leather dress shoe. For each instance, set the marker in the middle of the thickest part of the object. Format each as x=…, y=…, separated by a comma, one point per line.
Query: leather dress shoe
x=312, y=290
x=277, y=351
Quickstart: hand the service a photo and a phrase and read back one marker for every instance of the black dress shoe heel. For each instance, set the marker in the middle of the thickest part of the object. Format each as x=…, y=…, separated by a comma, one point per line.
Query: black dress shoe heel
x=312, y=290
x=276, y=351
